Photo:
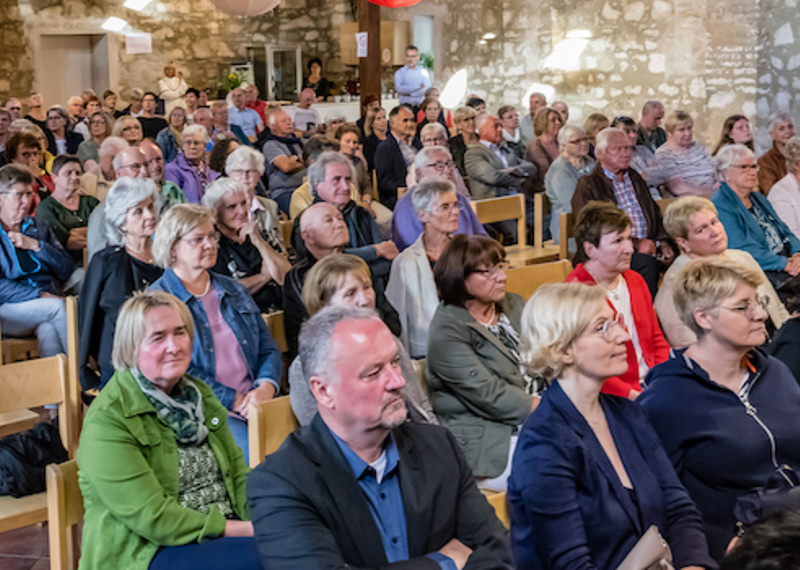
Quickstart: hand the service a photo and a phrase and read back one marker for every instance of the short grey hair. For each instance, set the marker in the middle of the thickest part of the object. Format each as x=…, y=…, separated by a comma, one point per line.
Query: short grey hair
x=792, y=153
x=112, y=146
x=603, y=138
x=316, y=172
x=131, y=325
x=424, y=154
x=220, y=188
x=427, y=192
x=179, y=220
x=567, y=132
x=125, y=194
x=331, y=116
x=195, y=131
x=780, y=118
x=481, y=119
x=316, y=337
x=245, y=156
x=433, y=128
x=730, y=154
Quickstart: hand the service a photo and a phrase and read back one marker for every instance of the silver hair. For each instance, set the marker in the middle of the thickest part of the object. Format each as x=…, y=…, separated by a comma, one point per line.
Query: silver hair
x=730, y=154
x=603, y=138
x=427, y=192
x=792, y=153
x=316, y=336
x=537, y=94
x=421, y=159
x=112, y=145
x=274, y=117
x=481, y=119
x=437, y=127
x=125, y=194
x=780, y=118
x=317, y=171
x=567, y=131
x=245, y=156
x=62, y=112
x=332, y=116
x=220, y=188
x=117, y=162
x=195, y=130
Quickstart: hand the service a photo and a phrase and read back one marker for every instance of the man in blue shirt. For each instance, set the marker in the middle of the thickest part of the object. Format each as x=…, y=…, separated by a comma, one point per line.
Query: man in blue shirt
x=247, y=119
x=412, y=80
x=361, y=487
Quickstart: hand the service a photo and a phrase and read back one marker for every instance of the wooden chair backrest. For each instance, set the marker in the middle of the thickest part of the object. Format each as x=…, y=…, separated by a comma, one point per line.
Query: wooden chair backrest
x=541, y=207
x=73, y=370
x=268, y=425
x=64, y=512
x=663, y=203
x=566, y=230
x=401, y=191
x=524, y=281
x=274, y=323
x=494, y=210
x=499, y=503
x=286, y=232
x=375, y=194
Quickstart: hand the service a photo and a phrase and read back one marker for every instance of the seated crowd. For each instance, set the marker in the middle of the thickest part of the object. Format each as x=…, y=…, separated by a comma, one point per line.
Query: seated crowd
x=655, y=387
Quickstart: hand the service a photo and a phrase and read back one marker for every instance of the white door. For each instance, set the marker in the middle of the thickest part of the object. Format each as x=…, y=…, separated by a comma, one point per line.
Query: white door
x=70, y=64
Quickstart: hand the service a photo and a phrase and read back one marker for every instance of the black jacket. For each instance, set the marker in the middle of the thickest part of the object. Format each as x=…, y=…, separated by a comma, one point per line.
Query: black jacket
x=391, y=169
x=73, y=139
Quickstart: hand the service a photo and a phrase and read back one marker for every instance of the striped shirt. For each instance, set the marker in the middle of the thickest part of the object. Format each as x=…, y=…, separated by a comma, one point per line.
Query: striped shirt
x=629, y=203
x=694, y=165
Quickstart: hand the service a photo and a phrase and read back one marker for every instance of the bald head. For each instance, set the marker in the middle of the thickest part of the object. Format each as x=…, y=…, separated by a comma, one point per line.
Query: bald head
x=323, y=230
x=205, y=118
x=307, y=98
x=131, y=162
x=155, y=159
x=280, y=123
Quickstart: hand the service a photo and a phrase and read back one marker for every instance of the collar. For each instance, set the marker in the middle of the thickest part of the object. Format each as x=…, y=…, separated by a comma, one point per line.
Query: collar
x=490, y=145
x=360, y=467
x=256, y=205
x=611, y=176
x=399, y=140
x=177, y=288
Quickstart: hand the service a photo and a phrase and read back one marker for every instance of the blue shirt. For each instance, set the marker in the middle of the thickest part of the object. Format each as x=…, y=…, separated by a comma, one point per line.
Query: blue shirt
x=246, y=119
x=386, y=501
x=411, y=84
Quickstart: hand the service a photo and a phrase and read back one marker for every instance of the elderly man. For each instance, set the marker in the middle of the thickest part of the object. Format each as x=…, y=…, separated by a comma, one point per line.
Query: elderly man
x=151, y=123
x=77, y=112
x=613, y=180
x=246, y=119
x=14, y=107
x=394, y=156
x=773, y=162
x=170, y=193
x=98, y=181
x=252, y=101
x=205, y=118
x=221, y=127
x=302, y=197
x=431, y=162
x=304, y=116
x=562, y=109
x=535, y=102
x=324, y=233
x=283, y=153
x=412, y=80
x=361, y=465
x=650, y=133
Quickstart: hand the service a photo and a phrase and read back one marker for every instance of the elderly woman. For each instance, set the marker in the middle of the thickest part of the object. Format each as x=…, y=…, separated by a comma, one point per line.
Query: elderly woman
x=333, y=120
x=435, y=135
x=190, y=171
x=478, y=387
x=376, y=127
x=694, y=224
x=115, y=273
x=411, y=289
x=690, y=168
x=605, y=248
x=64, y=139
x=466, y=135
x=593, y=124
x=244, y=254
x=99, y=130
x=129, y=128
x=168, y=138
x=589, y=475
x=735, y=130
x=33, y=265
x=66, y=211
x=544, y=149
x=432, y=113
x=752, y=224
x=162, y=480
x=25, y=151
x=234, y=352
x=725, y=412
x=785, y=193
x=562, y=176
x=643, y=160
x=342, y=280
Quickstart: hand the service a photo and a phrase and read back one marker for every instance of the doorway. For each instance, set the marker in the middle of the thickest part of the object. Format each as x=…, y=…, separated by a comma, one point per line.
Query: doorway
x=284, y=73
x=70, y=64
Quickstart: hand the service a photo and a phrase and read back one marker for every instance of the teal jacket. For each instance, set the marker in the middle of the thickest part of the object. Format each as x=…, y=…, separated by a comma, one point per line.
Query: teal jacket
x=128, y=474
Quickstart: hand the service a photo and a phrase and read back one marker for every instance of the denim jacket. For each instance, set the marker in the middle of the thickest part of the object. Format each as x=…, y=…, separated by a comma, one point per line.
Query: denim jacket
x=264, y=361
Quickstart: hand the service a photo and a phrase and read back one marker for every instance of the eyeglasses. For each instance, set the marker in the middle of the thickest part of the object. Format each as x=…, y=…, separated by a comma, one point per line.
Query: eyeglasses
x=494, y=270
x=241, y=172
x=193, y=142
x=134, y=166
x=211, y=239
x=579, y=141
x=749, y=308
x=14, y=108
x=755, y=167
x=434, y=140
x=19, y=195
x=448, y=208
x=609, y=328
x=441, y=166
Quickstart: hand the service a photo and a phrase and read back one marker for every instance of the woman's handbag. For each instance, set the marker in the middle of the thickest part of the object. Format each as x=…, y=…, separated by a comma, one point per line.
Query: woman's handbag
x=650, y=553
x=782, y=492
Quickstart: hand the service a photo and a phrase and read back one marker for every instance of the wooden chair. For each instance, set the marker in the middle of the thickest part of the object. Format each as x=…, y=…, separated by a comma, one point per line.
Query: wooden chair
x=663, y=203
x=541, y=207
x=375, y=194
x=419, y=368
x=499, y=503
x=16, y=349
x=64, y=512
x=493, y=210
x=268, y=425
x=32, y=384
x=566, y=230
x=524, y=281
x=401, y=191
x=275, y=325
x=286, y=232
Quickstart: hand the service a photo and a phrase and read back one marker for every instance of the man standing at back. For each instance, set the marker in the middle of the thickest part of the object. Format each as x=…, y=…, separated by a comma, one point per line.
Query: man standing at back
x=535, y=102
x=360, y=487
x=412, y=80
x=395, y=155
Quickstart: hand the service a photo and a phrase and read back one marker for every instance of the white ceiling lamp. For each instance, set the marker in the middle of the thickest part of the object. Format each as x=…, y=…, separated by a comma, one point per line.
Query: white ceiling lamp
x=489, y=36
x=246, y=7
x=137, y=5
x=114, y=24
x=455, y=90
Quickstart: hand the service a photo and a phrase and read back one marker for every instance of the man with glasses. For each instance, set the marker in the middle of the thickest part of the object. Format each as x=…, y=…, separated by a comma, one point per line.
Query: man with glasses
x=171, y=194
x=151, y=124
x=509, y=118
x=431, y=163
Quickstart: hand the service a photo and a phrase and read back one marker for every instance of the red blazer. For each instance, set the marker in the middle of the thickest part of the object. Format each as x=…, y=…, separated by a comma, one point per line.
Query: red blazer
x=655, y=349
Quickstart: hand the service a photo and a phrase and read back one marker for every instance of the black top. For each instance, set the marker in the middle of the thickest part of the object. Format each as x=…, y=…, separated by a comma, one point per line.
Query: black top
x=458, y=148
x=239, y=260
x=322, y=87
x=151, y=126
x=370, y=145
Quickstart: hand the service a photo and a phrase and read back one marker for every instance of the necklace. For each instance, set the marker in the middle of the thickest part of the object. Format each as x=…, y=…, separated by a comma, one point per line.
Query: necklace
x=491, y=318
x=208, y=287
x=139, y=253
x=613, y=292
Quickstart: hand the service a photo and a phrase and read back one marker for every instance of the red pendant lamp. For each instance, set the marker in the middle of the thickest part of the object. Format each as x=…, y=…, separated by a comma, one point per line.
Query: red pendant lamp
x=394, y=3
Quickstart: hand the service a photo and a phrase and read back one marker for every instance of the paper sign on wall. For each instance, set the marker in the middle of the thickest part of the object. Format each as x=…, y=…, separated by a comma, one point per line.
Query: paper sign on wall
x=138, y=43
x=361, y=43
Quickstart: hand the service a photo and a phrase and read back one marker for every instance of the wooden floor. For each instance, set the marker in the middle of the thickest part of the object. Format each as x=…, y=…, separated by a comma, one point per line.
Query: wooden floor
x=25, y=549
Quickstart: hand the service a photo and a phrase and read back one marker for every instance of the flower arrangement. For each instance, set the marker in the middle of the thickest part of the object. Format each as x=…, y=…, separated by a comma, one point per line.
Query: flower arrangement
x=235, y=79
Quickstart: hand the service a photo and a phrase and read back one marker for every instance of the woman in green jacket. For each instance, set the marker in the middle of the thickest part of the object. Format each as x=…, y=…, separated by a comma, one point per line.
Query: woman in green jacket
x=163, y=482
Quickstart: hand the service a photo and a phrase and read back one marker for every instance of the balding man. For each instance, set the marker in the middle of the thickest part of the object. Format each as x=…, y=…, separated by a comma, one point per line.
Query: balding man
x=14, y=107
x=283, y=154
x=650, y=133
x=246, y=119
x=76, y=112
x=305, y=117
x=171, y=194
x=205, y=118
x=395, y=155
x=362, y=487
x=98, y=181
x=535, y=102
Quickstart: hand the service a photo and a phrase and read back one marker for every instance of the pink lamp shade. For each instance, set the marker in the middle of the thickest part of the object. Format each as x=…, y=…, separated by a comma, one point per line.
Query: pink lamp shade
x=395, y=3
x=246, y=7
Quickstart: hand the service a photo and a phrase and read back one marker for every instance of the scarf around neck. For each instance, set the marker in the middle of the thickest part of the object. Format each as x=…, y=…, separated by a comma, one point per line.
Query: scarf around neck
x=181, y=411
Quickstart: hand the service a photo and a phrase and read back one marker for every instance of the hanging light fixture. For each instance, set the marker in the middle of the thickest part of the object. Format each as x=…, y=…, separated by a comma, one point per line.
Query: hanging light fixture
x=394, y=3
x=246, y=7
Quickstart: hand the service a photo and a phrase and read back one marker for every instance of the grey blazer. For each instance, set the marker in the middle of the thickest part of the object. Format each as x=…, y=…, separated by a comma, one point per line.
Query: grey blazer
x=486, y=176
x=476, y=386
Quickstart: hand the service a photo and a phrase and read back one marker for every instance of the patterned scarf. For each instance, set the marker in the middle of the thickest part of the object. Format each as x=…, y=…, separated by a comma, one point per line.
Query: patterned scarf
x=181, y=411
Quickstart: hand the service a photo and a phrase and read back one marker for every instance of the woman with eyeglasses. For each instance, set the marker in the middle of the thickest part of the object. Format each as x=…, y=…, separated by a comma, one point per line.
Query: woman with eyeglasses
x=752, y=224
x=589, y=475
x=233, y=351
x=64, y=139
x=725, y=412
x=479, y=388
x=466, y=135
x=190, y=171
x=128, y=128
x=605, y=248
x=99, y=130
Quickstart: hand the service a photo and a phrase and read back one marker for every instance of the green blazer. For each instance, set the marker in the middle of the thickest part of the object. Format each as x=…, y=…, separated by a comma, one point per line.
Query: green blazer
x=476, y=386
x=128, y=474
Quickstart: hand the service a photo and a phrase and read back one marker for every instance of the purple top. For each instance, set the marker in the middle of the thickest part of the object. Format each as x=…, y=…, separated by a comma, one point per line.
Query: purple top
x=231, y=368
x=185, y=177
x=406, y=227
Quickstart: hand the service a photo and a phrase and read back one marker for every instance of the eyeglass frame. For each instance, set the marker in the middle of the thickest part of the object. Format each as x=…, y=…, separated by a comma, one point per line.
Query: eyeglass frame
x=213, y=238
x=493, y=271
x=748, y=308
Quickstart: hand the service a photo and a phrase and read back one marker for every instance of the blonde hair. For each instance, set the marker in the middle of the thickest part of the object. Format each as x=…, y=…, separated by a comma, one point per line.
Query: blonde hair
x=552, y=321
x=131, y=324
x=704, y=283
x=123, y=122
x=675, y=118
x=176, y=223
x=326, y=277
x=678, y=214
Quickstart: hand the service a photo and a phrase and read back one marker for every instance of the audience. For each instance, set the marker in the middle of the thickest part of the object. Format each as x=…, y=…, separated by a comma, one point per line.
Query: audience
x=25, y=151
x=151, y=124
x=434, y=134
x=775, y=543
x=785, y=193
x=168, y=138
x=535, y=102
x=179, y=503
x=5, y=123
x=302, y=197
x=735, y=130
x=14, y=108
x=74, y=115
x=689, y=166
x=251, y=100
x=333, y=120
x=110, y=104
x=395, y=155
x=479, y=389
x=89, y=149
x=466, y=135
x=170, y=194
x=605, y=247
x=64, y=140
x=589, y=473
x=36, y=113
x=421, y=473
x=97, y=181
x=368, y=102
x=412, y=80
x=376, y=128
x=115, y=273
x=650, y=133
x=773, y=162
x=190, y=171
x=445, y=116
x=431, y=113
x=724, y=411
x=134, y=109
x=241, y=116
x=544, y=149
x=283, y=153
x=348, y=137
x=562, y=109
